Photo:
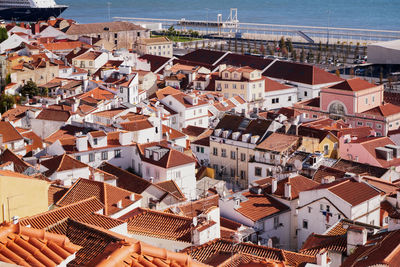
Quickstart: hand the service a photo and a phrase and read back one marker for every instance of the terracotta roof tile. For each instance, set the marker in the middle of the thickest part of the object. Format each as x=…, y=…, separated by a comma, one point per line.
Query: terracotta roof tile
x=107, y=194
x=62, y=163
x=136, y=125
x=355, y=84
x=55, y=193
x=8, y=132
x=385, y=110
x=207, y=252
x=380, y=249
x=324, y=171
x=126, y=180
x=25, y=246
x=271, y=85
x=75, y=210
x=54, y=115
x=147, y=222
x=257, y=207
x=350, y=191
x=19, y=164
x=298, y=184
x=94, y=28
x=197, y=207
x=279, y=142
x=171, y=187
x=359, y=168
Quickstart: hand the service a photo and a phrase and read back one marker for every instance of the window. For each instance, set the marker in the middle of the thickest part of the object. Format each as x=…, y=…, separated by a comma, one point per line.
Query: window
x=372, y=222
x=115, y=41
x=91, y=157
x=305, y=93
x=104, y=155
x=309, y=209
x=223, y=152
x=215, y=151
x=233, y=155
x=115, y=35
x=373, y=99
x=328, y=208
x=226, y=86
x=315, y=116
x=138, y=34
x=178, y=174
x=117, y=153
x=233, y=172
x=305, y=224
x=276, y=222
x=242, y=86
x=242, y=156
x=95, y=141
x=289, y=98
x=366, y=100
x=78, y=158
x=326, y=149
x=226, y=75
x=359, y=123
x=234, y=86
x=275, y=100
x=379, y=126
x=215, y=167
x=321, y=207
x=242, y=174
x=257, y=171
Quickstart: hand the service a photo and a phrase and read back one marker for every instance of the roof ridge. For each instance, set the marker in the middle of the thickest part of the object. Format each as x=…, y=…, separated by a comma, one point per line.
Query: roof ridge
x=66, y=193
x=63, y=207
x=145, y=210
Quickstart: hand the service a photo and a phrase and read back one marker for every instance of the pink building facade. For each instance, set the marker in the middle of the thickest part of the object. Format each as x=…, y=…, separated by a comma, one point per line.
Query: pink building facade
x=357, y=102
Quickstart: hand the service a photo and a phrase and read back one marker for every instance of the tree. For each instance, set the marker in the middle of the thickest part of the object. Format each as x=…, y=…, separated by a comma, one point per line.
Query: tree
x=262, y=49
x=294, y=55
x=3, y=34
x=6, y=102
x=8, y=78
x=282, y=43
x=302, y=55
x=289, y=45
x=30, y=89
x=318, y=57
x=171, y=30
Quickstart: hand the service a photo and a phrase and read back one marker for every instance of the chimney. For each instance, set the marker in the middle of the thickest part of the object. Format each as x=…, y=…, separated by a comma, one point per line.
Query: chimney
x=15, y=219
x=132, y=197
x=356, y=236
x=288, y=190
x=274, y=185
x=322, y=258
x=119, y=204
x=358, y=178
x=75, y=105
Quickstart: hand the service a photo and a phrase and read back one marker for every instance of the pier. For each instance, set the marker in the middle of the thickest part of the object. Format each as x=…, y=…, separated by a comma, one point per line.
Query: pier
x=307, y=34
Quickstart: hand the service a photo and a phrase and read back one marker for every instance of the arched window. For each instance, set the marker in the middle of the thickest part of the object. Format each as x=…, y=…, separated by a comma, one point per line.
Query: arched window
x=337, y=110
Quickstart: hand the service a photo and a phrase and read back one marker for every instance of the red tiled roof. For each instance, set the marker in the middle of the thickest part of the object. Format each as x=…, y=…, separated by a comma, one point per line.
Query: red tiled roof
x=370, y=146
x=301, y=73
x=36, y=141
x=324, y=171
x=385, y=110
x=172, y=187
x=64, y=45
x=155, y=61
x=19, y=164
x=271, y=85
x=55, y=193
x=279, y=142
x=147, y=222
x=136, y=125
x=8, y=132
x=207, y=252
x=75, y=210
x=380, y=249
x=107, y=194
x=172, y=158
x=126, y=180
x=257, y=207
x=350, y=191
x=98, y=134
x=62, y=163
x=172, y=133
x=54, y=115
x=195, y=208
x=355, y=85
x=298, y=184
x=25, y=246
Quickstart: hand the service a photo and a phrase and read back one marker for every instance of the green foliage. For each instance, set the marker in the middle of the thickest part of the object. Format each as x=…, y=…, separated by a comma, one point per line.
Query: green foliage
x=302, y=55
x=282, y=43
x=289, y=45
x=31, y=89
x=3, y=34
x=8, y=78
x=6, y=102
x=294, y=55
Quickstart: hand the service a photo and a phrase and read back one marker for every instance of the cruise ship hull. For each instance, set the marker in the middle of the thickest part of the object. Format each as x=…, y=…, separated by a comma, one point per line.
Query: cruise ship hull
x=30, y=13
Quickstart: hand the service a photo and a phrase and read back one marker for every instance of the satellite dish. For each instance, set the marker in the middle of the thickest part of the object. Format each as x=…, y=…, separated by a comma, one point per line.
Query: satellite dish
x=298, y=165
